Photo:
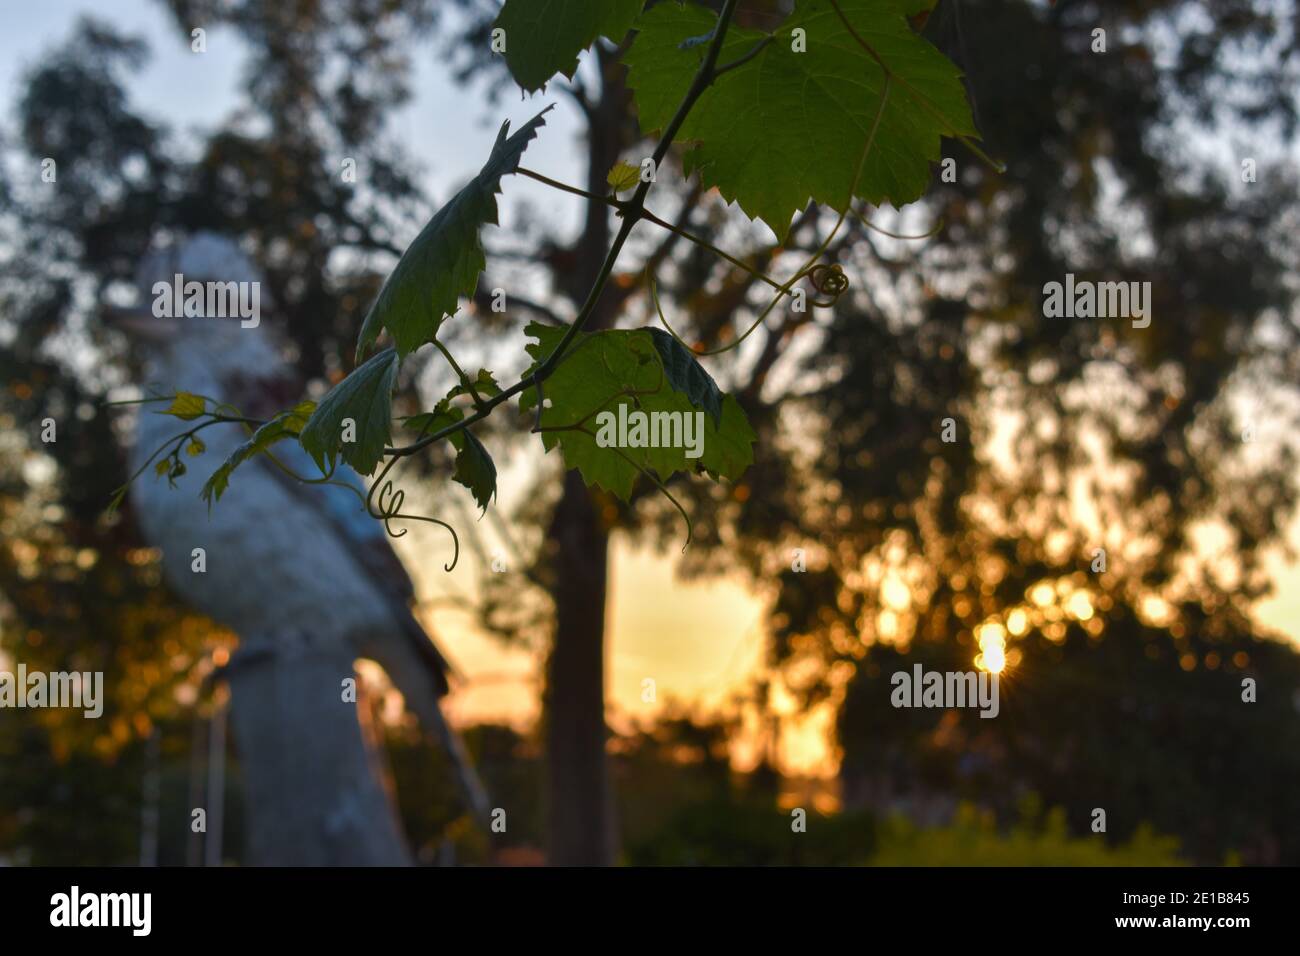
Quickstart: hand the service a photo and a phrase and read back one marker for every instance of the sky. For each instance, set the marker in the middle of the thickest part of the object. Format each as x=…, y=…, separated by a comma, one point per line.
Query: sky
x=698, y=642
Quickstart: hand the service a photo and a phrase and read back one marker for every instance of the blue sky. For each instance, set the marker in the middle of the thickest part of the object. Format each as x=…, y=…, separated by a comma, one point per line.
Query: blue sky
x=447, y=129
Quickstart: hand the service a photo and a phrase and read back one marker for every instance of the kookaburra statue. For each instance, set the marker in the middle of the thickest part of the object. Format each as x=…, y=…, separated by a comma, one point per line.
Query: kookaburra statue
x=301, y=573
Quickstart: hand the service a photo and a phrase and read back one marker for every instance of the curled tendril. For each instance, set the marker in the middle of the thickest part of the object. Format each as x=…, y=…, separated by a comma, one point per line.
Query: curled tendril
x=388, y=508
x=830, y=281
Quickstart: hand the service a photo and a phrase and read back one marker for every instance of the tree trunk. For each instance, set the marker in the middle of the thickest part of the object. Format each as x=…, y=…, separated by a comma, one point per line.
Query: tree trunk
x=312, y=791
x=582, y=828
x=579, y=803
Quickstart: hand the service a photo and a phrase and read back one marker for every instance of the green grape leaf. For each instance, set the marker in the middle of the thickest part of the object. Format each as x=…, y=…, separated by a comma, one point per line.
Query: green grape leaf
x=366, y=397
x=287, y=424
x=474, y=468
x=426, y=423
x=730, y=449
x=600, y=366
x=788, y=126
x=623, y=176
x=446, y=258
x=687, y=375
x=544, y=37
x=187, y=406
x=484, y=383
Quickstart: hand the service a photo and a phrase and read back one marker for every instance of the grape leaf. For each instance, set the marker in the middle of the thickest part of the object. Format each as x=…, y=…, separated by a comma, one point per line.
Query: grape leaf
x=366, y=397
x=622, y=176
x=287, y=424
x=729, y=449
x=186, y=406
x=474, y=468
x=446, y=258
x=484, y=383
x=426, y=423
x=544, y=37
x=786, y=126
x=597, y=368
x=687, y=375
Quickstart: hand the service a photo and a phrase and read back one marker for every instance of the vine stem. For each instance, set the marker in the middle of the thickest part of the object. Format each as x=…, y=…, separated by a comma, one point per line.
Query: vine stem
x=758, y=48
x=465, y=381
x=632, y=211
x=565, y=187
x=933, y=231
x=648, y=216
x=177, y=440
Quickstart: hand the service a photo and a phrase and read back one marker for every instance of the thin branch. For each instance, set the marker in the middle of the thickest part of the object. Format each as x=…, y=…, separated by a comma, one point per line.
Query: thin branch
x=622, y=291
x=648, y=216
x=576, y=90
x=575, y=190
x=483, y=300
x=705, y=244
x=465, y=381
x=177, y=440
x=658, y=483
x=632, y=214
x=758, y=48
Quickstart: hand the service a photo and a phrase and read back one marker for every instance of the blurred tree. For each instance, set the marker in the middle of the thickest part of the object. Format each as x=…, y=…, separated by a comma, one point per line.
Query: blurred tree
x=682, y=804
x=1115, y=713
x=1146, y=468
x=437, y=829
x=78, y=591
